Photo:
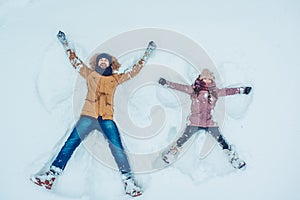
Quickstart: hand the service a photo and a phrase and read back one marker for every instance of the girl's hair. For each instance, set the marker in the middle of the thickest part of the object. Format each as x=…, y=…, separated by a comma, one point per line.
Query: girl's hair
x=115, y=63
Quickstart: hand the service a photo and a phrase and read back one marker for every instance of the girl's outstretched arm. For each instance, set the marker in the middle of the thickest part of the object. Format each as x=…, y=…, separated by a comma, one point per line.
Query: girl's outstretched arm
x=233, y=91
x=183, y=88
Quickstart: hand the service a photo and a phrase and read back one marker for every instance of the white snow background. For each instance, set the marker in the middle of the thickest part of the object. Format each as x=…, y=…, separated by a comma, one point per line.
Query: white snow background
x=252, y=42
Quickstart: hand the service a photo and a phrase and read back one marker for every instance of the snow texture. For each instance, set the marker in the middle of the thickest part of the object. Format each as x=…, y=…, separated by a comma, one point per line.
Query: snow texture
x=252, y=43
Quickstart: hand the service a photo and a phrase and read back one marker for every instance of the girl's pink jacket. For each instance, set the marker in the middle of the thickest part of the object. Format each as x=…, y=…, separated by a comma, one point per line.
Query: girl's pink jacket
x=201, y=109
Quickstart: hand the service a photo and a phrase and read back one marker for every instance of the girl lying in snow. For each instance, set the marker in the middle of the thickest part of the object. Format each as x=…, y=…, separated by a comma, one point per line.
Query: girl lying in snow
x=204, y=95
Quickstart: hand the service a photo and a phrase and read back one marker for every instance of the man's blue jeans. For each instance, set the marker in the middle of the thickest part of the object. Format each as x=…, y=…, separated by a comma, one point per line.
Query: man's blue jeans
x=86, y=125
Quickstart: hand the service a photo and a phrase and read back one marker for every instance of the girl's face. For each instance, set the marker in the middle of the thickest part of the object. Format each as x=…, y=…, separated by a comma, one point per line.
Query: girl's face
x=207, y=80
x=103, y=63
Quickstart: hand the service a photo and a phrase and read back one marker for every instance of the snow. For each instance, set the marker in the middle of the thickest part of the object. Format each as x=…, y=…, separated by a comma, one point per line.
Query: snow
x=254, y=42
